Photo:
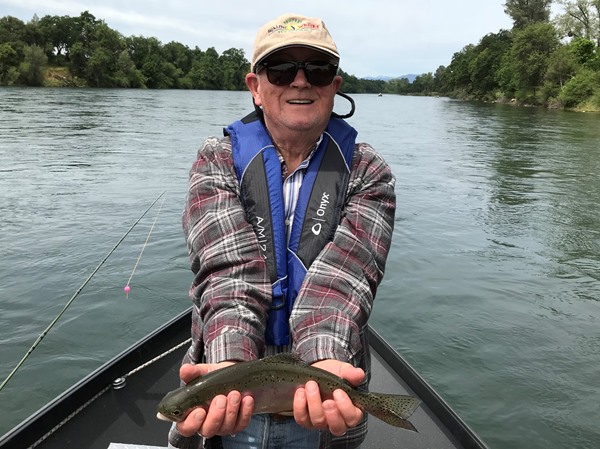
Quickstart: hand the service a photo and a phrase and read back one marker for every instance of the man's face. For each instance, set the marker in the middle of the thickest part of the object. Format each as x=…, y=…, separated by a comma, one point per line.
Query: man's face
x=298, y=106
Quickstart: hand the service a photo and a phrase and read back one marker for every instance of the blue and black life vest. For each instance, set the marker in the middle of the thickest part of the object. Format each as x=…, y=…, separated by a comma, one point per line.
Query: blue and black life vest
x=317, y=213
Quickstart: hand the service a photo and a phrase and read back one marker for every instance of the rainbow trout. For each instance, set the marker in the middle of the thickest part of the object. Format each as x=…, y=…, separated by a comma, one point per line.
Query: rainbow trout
x=272, y=382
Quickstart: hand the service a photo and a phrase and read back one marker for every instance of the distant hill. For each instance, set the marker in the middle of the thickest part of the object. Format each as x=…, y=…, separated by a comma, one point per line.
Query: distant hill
x=411, y=77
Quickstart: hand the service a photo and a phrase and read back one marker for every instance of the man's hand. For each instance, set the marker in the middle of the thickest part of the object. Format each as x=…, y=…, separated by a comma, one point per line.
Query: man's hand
x=226, y=415
x=337, y=414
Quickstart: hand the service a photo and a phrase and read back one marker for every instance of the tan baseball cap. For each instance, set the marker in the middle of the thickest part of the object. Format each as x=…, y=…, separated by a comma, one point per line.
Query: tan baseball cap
x=292, y=30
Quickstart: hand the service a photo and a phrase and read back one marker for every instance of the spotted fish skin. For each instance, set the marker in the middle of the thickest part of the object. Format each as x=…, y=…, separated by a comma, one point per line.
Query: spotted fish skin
x=272, y=382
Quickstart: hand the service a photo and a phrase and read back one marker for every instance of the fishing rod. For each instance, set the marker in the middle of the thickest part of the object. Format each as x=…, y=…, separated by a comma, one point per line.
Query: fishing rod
x=78, y=291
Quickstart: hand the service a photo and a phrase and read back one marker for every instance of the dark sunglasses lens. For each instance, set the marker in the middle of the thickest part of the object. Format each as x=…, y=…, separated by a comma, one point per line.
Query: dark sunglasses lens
x=320, y=74
x=282, y=74
x=317, y=73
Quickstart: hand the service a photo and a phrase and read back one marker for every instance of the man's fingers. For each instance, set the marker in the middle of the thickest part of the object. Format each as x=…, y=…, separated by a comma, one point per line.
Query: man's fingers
x=344, y=370
x=192, y=423
x=244, y=415
x=352, y=374
x=215, y=417
x=234, y=399
x=335, y=420
x=188, y=372
x=300, y=409
x=315, y=405
x=350, y=414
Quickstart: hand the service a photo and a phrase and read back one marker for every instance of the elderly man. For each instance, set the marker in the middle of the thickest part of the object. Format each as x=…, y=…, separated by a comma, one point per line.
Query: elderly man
x=288, y=223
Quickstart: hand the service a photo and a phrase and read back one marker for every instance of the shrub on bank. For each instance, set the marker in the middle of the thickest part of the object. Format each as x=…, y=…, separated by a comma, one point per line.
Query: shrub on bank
x=580, y=88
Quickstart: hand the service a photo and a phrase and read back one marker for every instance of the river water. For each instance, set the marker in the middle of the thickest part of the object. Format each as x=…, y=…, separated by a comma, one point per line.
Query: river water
x=492, y=288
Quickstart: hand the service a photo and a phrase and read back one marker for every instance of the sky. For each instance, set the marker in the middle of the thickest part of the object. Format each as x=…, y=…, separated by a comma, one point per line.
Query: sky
x=375, y=37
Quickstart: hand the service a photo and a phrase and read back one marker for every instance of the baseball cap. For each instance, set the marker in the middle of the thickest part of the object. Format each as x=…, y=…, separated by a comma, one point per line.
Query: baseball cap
x=292, y=30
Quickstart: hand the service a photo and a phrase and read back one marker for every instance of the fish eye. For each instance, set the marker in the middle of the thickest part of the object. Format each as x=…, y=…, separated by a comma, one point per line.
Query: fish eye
x=176, y=412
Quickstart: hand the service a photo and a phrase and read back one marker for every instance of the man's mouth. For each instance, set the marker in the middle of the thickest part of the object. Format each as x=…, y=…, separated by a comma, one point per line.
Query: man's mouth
x=300, y=101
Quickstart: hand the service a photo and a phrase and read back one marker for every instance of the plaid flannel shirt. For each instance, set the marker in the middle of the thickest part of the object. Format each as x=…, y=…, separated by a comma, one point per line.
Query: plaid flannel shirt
x=231, y=291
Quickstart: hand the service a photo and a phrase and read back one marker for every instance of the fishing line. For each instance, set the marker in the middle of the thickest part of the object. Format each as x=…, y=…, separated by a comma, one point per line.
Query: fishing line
x=75, y=295
x=127, y=287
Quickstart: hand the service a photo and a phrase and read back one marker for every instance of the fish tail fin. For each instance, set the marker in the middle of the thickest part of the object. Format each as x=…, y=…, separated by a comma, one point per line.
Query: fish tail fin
x=393, y=409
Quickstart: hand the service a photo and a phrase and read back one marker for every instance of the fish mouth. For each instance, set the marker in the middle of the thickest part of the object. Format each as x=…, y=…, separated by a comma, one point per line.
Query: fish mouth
x=166, y=418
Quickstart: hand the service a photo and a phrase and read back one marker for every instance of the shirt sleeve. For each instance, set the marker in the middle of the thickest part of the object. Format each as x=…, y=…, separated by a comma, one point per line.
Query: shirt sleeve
x=231, y=291
x=336, y=297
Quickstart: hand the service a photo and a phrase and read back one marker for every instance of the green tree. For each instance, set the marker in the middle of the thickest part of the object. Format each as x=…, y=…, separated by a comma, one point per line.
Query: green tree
x=99, y=68
x=9, y=61
x=205, y=72
x=485, y=65
x=423, y=83
x=438, y=78
x=398, y=86
x=234, y=68
x=527, y=12
x=159, y=73
x=148, y=55
x=457, y=77
x=33, y=33
x=12, y=30
x=32, y=69
x=581, y=18
x=527, y=60
x=105, y=48
x=350, y=83
x=59, y=35
x=580, y=88
x=584, y=50
x=127, y=74
x=140, y=48
x=179, y=55
x=562, y=65
x=78, y=58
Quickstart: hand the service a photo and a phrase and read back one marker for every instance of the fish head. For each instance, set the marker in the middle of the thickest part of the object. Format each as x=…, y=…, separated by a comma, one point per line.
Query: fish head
x=173, y=407
x=173, y=414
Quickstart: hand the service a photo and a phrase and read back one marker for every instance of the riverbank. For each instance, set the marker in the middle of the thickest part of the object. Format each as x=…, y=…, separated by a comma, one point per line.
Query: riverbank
x=587, y=106
x=61, y=77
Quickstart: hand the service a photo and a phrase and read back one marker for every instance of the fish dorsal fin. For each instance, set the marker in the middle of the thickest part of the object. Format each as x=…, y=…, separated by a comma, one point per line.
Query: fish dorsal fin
x=285, y=357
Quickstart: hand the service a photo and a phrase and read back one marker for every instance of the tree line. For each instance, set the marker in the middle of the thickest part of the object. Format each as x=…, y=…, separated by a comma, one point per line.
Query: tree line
x=554, y=62
x=93, y=54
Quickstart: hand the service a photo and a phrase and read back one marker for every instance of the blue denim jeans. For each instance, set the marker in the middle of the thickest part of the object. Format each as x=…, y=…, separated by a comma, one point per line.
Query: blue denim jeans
x=265, y=432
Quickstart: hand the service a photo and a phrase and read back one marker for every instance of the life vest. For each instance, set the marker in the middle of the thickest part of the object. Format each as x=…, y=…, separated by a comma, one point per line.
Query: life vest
x=317, y=213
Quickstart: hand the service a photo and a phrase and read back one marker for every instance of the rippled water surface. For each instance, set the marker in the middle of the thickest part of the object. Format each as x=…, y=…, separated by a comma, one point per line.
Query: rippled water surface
x=492, y=289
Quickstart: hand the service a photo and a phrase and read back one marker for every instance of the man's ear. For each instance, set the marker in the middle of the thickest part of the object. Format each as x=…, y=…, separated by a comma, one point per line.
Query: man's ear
x=252, y=83
x=337, y=82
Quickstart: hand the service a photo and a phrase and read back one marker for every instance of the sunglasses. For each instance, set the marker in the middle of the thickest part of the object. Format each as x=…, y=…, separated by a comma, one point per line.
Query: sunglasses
x=318, y=73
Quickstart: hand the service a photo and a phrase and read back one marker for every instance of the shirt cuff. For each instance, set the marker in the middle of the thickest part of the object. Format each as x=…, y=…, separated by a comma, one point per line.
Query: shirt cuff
x=231, y=346
x=322, y=347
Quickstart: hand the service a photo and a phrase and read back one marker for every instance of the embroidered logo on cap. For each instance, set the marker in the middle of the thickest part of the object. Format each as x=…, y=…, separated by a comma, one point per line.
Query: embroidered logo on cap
x=293, y=25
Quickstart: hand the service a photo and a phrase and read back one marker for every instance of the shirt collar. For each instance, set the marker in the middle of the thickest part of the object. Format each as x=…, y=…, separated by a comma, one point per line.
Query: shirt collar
x=303, y=165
